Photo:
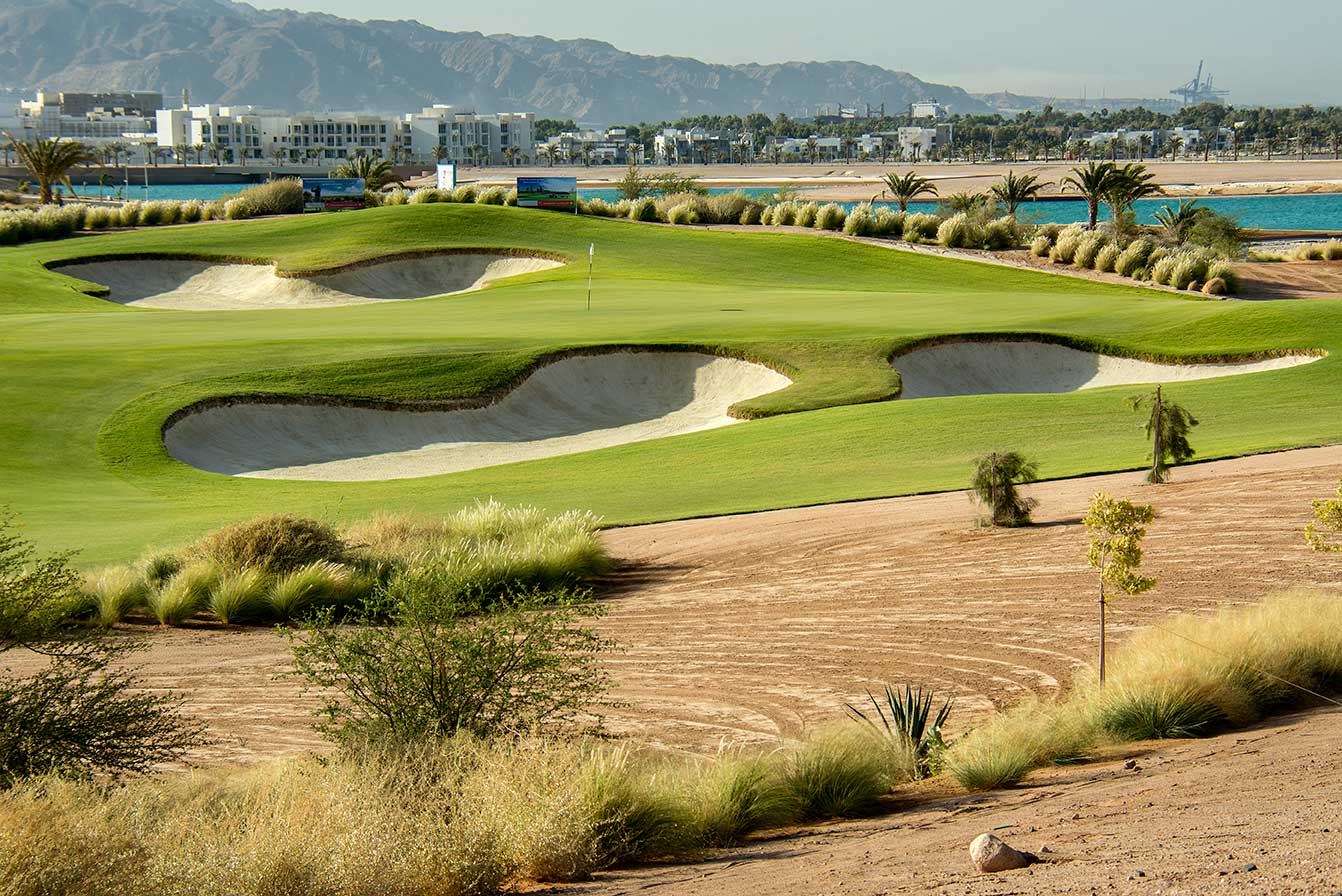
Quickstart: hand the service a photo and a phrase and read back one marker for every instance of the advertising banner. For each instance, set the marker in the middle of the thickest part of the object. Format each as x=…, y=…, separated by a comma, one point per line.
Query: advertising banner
x=548, y=192
x=447, y=176
x=325, y=193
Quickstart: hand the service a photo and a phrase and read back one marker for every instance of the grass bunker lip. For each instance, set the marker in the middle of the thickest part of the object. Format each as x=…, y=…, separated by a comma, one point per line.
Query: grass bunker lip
x=573, y=404
x=181, y=283
x=945, y=368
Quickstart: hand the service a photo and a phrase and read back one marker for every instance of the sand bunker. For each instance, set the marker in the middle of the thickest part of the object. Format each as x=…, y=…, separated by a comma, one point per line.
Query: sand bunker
x=1029, y=366
x=186, y=285
x=572, y=405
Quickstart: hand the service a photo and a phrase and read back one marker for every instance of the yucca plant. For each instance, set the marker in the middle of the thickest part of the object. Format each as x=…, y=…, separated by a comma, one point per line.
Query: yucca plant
x=906, y=718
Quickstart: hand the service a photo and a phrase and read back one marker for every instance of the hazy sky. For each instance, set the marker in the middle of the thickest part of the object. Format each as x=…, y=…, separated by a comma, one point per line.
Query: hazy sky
x=1263, y=52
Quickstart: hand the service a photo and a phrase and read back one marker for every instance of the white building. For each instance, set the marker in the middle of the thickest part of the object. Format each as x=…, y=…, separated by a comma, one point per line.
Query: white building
x=927, y=110
x=447, y=133
x=924, y=143
x=83, y=117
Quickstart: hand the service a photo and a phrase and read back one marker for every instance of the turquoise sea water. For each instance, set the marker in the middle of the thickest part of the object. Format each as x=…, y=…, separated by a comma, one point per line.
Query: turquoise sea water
x=1288, y=212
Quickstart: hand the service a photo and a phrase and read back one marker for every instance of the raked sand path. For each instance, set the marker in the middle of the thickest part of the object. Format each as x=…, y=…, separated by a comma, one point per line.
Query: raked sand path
x=198, y=285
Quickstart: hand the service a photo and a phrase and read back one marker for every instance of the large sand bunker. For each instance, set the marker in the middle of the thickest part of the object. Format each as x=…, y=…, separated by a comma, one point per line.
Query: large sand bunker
x=1032, y=366
x=188, y=285
x=571, y=405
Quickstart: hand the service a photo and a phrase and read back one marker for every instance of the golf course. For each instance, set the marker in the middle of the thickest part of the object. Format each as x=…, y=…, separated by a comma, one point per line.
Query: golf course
x=92, y=385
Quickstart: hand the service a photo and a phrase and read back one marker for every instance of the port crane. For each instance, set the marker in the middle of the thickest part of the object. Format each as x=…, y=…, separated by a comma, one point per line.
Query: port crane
x=1199, y=91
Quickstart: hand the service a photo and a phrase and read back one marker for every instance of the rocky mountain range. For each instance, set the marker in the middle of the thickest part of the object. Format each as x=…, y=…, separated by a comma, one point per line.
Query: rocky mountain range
x=231, y=52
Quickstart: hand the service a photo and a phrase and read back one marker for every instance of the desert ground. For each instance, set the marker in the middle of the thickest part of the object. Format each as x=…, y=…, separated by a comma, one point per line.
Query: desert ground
x=858, y=181
x=747, y=628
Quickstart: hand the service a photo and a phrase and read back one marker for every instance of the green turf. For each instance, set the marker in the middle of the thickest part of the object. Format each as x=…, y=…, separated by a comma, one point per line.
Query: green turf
x=88, y=384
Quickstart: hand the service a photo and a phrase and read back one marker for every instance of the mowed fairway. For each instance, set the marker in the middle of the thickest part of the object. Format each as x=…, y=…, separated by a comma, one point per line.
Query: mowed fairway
x=88, y=384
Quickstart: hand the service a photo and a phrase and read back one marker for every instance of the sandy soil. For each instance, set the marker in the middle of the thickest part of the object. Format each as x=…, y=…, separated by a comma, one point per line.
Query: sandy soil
x=756, y=626
x=1188, y=818
x=854, y=181
x=1291, y=280
x=567, y=406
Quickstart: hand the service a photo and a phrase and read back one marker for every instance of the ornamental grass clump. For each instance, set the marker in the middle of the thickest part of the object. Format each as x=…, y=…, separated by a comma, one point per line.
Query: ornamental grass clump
x=1040, y=246
x=1106, y=260
x=842, y=773
x=684, y=213
x=1225, y=272
x=274, y=544
x=752, y=214
x=999, y=234
x=643, y=209
x=784, y=214
x=1332, y=250
x=920, y=227
x=1065, y=246
x=830, y=217
x=1134, y=257
x=240, y=596
x=1162, y=268
x=315, y=586
x=115, y=592
x=956, y=232
x=1087, y=248
x=185, y=594
x=888, y=223
x=806, y=214
x=466, y=193
x=860, y=221
x=1190, y=267
x=493, y=196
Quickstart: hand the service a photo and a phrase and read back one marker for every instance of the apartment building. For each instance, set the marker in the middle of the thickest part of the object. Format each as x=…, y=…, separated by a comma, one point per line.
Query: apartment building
x=98, y=119
x=451, y=134
x=610, y=146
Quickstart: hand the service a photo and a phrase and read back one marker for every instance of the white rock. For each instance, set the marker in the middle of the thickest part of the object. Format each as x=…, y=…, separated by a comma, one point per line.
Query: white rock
x=990, y=854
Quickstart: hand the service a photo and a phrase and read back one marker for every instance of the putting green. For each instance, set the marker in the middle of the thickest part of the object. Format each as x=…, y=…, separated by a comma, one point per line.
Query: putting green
x=88, y=385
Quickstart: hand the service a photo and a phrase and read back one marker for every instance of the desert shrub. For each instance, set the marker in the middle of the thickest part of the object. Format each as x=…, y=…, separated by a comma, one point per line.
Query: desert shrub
x=831, y=216
x=493, y=196
x=1221, y=234
x=806, y=214
x=82, y=713
x=1225, y=272
x=906, y=720
x=1134, y=257
x=751, y=215
x=1332, y=250
x=432, y=667
x=888, y=223
x=734, y=796
x=465, y=193
x=274, y=544
x=510, y=197
x=1087, y=249
x=643, y=209
x=860, y=221
x=1106, y=260
x=240, y=596
x=841, y=773
x=958, y=232
x=115, y=593
x=1065, y=246
x=726, y=208
x=185, y=594
x=994, y=483
x=684, y=213
x=1040, y=246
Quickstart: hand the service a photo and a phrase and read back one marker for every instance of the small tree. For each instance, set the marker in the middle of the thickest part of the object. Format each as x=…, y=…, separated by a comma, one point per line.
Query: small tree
x=1322, y=533
x=1167, y=427
x=1015, y=189
x=994, y=484
x=1116, y=529
x=907, y=187
x=50, y=161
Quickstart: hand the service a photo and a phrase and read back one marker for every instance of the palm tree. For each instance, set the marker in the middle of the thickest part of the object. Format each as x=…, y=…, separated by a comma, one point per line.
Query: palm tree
x=510, y=155
x=115, y=150
x=376, y=173
x=847, y=143
x=1176, y=144
x=812, y=149
x=994, y=483
x=908, y=187
x=49, y=162
x=440, y=152
x=278, y=153
x=197, y=149
x=1167, y=428
x=1176, y=222
x=965, y=202
x=547, y=152
x=1093, y=182
x=216, y=150
x=1130, y=183
x=1013, y=190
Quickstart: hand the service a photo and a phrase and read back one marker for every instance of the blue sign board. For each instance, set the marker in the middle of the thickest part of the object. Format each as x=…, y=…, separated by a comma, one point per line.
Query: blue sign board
x=322, y=193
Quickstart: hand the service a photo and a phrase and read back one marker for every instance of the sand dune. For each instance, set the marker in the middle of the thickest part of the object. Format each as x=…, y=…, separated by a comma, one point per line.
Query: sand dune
x=1026, y=366
x=571, y=405
x=187, y=285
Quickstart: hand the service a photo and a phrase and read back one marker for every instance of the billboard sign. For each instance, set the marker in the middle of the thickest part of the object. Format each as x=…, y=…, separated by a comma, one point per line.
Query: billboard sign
x=447, y=176
x=325, y=193
x=548, y=192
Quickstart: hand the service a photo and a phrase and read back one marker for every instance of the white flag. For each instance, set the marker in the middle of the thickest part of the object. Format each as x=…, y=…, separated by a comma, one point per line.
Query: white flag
x=591, y=250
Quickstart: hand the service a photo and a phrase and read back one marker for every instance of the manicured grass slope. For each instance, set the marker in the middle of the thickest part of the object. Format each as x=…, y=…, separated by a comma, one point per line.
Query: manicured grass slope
x=88, y=384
